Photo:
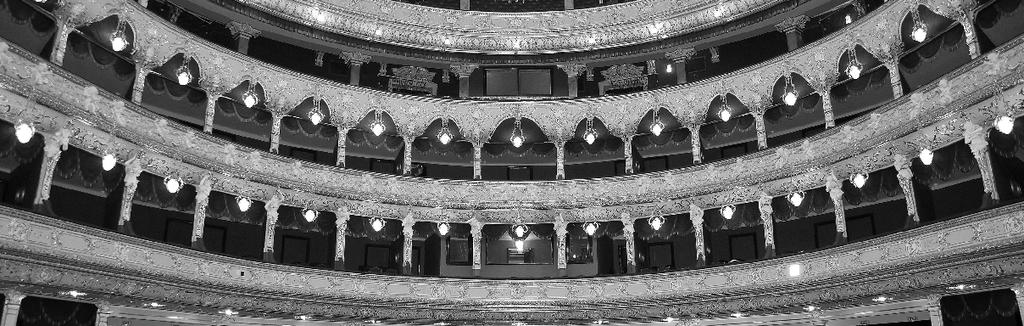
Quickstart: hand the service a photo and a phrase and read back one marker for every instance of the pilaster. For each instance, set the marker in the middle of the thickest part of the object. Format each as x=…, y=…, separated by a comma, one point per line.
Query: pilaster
x=132, y=171
x=627, y=231
x=573, y=71
x=242, y=33
x=764, y=204
x=270, y=227
x=906, y=179
x=793, y=27
x=976, y=138
x=679, y=57
x=341, y=225
x=355, y=63
x=12, y=305
x=203, y=190
x=463, y=71
x=835, y=192
x=697, y=219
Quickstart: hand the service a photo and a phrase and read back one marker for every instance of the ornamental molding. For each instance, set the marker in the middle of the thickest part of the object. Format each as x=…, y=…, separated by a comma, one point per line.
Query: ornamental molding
x=103, y=122
x=242, y=30
x=42, y=252
x=792, y=24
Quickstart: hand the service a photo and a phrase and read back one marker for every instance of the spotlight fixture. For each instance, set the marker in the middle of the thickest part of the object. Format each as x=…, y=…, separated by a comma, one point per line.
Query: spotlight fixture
x=249, y=97
x=173, y=184
x=737, y=315
x=920, y=31
x=183, y=74
x=881, y=299
x=377, y=224
x=790, y=97
x=244, y=203
x=796, y=198
x=310, y=215
x=926, y=156
x=656, y=125
x=590, y=136
x=377, y=126
x=118, y=39
x=154, y=305
x=855, y=68
x=848, y=19
x=795, y=270
x=1004, y=124
x=656, y=222
x=668, y=68
x=443, y=228
x=109, y=161
x=517, y=138
x=590, y=228
x=811, y=308
x=24, y=131
x=228, y=312
x=725, y=113
x=519, y=230
x=858, y=180
x=727, y=211
x=444, y=135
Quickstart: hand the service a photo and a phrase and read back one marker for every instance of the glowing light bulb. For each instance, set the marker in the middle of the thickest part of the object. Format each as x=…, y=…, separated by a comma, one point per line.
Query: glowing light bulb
x=377, y=224
x=847, y=19
x=243, y=203
x=853, y=71
x=109, y=161
x=378, y=32
x=310, y=215
x=727, y=211
x=1004, y=124
x=668, y=68
x=24, y=132
x=590, y=137
x=920, y=32
x=445, y=137
x=519, y=230
x=117, y=41
x=657, y=127
x=725, y=114
x=859, y=180
x=590, y=228
x=789, y=98
x=796, y=198
x=377, y=128
x=184, y=77
x=795, y=270
x=718, y=12
x=520, y=245
x=173, y=184
x=316, y=116
x=250, y=100
x=517, y=141
x=443, y=228
x=926, y=156
x=656, y=222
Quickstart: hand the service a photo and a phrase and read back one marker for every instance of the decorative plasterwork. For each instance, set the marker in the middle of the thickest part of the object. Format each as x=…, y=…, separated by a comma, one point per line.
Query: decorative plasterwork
x=864, y=144
x=41, y=251
x=422, y=27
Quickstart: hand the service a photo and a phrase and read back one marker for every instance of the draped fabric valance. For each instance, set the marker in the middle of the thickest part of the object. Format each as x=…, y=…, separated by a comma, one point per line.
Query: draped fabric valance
x=737, y=130
x=95, y=63
x=153, y=191
x=746, y=215
x=984, y=308
x=224, y=207
x=1001, y=21
x=11, y=148
x=815, y=202
x=167, y=98
x=359, y=227
x=292, y=218
x=853, y=96
x=80, y=168
x=25, y=25
x=37, y=311
x=492, y=232
x=302, y=133
x=234, y=118
x=949, y=163
x=880, y=186
x=927, y=62
x=674, y=226
x=1008, y=146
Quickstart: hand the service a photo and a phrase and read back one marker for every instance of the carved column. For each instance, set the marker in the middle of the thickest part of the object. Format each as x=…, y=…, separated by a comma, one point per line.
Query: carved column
x=573, y=71
x=12, y=305
x=477, y=170
x=132, y=170
x=561, y=229
x=275, y=132
x=355, y=63
x=464, y=71
x=627, y=232
x=242, y=33
x=826, y=106
x=764, y=204
x=935, y=309
x=341, y=225
x=627, y=151
x=60, y=41
x=52, y=147
x=894, y=77
x=211, y=111
x=906, y=178
x=342, y=141
x=715, y=56
x=966, y=19
x=407, y=233
x=976, y=138
x=762, y=134
x=697, y=218
x=476, y=231
x=271, y=207
x=1018, y=290
x=793, y=27
x=407, y=157
x=139, y=86
x=679, y=57
x=559, y=160
x=695, y=143
x=199, y=217
x=835, y=191
x=102, y=314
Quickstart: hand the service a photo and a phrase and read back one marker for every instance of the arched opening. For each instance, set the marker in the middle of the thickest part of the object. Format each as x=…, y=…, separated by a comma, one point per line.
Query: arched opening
x=374, y=145
x=796, y=111
x=442, y=152
x=863, y=85
x=533, y=159
x=307, y=133
x=669, y=148
x=722, y=139
x=241, y=116
x=100, y=52
x=933, y=46
x=172, y=90
x=593, y=152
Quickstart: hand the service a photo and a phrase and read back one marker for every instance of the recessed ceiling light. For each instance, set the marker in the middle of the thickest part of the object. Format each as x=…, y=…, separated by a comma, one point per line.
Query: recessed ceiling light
x=154, y=305
x=228, y=312
x=810, y=308
x=737, y=315
x=881, y=299
x=795, y=270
